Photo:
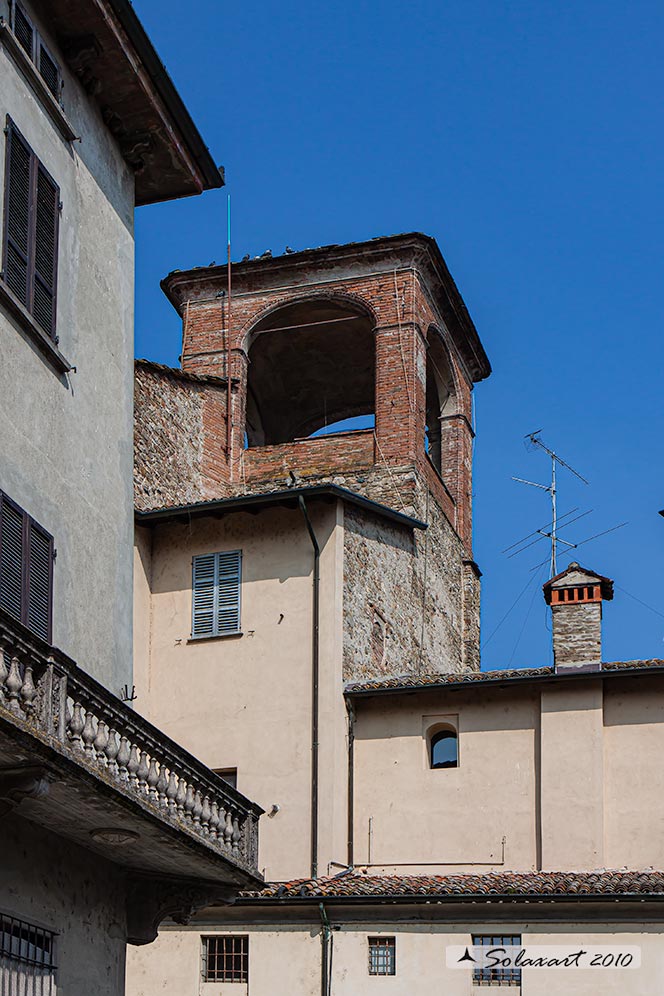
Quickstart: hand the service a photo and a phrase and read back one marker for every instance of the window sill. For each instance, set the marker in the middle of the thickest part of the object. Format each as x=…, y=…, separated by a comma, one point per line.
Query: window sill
x=28, y=325
x=219, y=636
x=42, y=92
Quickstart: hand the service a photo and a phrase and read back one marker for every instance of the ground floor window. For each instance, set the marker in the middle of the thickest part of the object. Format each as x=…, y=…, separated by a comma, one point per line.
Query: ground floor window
x=226, y=958
x=27, y=958
x=382, y=956
x=497, y=976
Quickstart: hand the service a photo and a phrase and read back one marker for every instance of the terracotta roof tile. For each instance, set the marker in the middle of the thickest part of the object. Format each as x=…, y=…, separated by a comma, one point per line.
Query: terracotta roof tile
x=407, y=681
x=356, y=884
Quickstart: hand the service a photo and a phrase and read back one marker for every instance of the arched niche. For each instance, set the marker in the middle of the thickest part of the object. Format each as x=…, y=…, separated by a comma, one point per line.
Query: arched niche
x=311, y=365
x=440, y=396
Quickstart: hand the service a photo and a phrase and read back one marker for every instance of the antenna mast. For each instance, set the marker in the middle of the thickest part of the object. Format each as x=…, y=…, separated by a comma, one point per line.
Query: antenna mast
x=533, y=438
x=229, y=387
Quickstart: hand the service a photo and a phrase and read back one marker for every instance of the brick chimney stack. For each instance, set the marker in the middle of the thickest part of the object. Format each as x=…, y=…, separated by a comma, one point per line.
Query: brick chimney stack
x=576, y=597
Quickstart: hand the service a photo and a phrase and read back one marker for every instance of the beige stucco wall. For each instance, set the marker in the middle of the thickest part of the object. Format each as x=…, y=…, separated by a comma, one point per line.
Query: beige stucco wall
x=453, y=817
x=66, y=449
x=569, y=773
x=245, y=701
x=285, y=959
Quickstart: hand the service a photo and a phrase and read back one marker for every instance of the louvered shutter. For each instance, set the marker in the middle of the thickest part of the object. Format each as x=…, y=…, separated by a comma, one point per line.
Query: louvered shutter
x=12, y=554
x=228, y=592
x=46, y=240
x=40, y=560
x=48, y=70
x=23, y=30
x=203, y=613
x=17, y=206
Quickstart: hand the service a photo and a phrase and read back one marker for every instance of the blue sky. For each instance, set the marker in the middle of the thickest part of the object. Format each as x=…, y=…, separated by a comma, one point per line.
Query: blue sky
x=526, y=137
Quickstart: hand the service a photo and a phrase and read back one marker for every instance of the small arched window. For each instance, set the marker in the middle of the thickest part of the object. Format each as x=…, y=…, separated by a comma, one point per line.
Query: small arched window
x=444, y=749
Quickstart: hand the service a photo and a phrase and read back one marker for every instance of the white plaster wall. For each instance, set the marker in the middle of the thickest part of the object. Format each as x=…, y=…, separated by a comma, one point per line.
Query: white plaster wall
x=66, y=445
x=56, y=885
x=284, y=960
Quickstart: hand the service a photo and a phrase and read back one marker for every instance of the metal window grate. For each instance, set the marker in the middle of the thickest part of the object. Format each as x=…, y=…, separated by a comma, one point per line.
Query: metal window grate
x=382, y=956
x=27, y=958
x=226, y=958
x=496, y=976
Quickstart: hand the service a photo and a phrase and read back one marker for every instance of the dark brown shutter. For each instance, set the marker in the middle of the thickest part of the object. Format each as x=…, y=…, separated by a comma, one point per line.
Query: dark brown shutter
x=11, y=558
x=40, y=560
x=48, y=70
x=23, y=30
x=46, y=240
x=32, y=204
x=17, y=206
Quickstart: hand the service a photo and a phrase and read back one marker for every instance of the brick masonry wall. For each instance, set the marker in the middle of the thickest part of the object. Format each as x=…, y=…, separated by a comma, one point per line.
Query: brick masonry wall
x=577, y=634
x=403, y=598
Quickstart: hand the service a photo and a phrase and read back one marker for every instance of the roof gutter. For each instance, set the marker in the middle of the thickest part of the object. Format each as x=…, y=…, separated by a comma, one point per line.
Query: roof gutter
x=476, y=899
x=290, y=497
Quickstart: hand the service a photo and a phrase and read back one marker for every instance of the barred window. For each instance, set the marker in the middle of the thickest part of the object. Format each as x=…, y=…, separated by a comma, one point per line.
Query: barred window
x=226, y=958
x=382, y=956
x=27, y=958
x=497, y=976
x=216, y=594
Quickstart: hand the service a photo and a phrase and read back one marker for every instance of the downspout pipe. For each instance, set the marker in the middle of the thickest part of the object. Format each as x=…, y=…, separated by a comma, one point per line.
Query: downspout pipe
x=325, y=934
x=350, y=856
x=315, y=682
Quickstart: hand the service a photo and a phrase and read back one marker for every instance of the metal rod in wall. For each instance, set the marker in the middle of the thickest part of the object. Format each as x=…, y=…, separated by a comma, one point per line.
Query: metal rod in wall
x=229, y=387
x=315, y=680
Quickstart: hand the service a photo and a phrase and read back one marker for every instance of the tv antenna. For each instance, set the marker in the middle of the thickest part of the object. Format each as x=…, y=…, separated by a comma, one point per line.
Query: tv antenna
x=556, y=460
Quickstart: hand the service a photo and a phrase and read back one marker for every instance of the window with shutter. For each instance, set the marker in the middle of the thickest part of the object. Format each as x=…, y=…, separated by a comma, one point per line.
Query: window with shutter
x=26, y=569
x=216, y=585
x=32, y=208
x=30, y=41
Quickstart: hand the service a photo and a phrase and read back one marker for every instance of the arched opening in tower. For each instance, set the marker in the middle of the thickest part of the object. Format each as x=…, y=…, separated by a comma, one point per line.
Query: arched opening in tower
x=439, y=398
x=311, y=370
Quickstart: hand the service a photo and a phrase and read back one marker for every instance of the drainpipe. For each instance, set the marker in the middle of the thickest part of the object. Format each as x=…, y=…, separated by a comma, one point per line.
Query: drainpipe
x=315, y=674
x=325, y=955
x=351, y=783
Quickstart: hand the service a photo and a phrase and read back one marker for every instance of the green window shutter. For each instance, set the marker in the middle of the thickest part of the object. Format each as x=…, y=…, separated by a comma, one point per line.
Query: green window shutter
x=12, y=555
x=216, y=594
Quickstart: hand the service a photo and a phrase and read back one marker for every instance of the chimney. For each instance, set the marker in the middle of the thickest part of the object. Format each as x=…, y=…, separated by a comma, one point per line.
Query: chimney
x=576, y=597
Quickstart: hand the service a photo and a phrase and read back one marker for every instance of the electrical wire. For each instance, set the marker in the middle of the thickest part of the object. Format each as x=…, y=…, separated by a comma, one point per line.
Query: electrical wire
x=512, y=606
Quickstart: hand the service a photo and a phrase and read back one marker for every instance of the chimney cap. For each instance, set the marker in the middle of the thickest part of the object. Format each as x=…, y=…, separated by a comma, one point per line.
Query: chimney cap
x=574, y=575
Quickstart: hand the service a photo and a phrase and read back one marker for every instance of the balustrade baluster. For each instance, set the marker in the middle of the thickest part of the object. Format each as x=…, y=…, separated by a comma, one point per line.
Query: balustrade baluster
x=112, y=750
x=214, y=819
x=28, y=690
x=236, y=836
x=228, y=830
x=143, y=771
x=189, y=800
x=100, y=741
x=13, y=684
x=75, y=727
x=4, y=670
x=162, y=784
x=198, y=808
x=206, y=813
x=180, y=798
x=133, y=765
x=124, y=753
x=89, y=733
x=171, y=792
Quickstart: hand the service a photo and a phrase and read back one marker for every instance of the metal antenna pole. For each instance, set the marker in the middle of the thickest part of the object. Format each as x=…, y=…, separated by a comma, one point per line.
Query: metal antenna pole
x=554, y=520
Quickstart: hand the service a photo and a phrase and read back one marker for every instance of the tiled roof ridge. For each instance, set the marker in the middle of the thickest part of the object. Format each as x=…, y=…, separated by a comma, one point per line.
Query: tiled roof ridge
x=357, y=884
x=471, y=677
x=176, y=372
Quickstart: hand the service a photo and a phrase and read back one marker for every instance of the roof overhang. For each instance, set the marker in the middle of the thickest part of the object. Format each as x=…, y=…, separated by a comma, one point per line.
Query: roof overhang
x=107, y=48
x=288, y=498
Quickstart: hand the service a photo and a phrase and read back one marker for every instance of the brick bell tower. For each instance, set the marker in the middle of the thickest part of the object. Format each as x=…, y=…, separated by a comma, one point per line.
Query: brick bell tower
x=375, y=331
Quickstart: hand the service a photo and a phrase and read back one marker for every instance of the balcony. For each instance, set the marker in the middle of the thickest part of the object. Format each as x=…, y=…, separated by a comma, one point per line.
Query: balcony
x=76, y=759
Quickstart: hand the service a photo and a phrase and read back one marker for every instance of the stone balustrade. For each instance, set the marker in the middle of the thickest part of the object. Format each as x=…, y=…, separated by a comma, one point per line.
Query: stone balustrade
x=42, y=689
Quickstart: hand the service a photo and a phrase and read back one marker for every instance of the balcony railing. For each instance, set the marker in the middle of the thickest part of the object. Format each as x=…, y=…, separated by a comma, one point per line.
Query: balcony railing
x=45, y=692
